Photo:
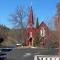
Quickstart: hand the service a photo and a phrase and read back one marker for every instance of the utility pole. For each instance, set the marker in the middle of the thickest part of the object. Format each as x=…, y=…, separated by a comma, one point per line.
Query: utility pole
x=58, y=24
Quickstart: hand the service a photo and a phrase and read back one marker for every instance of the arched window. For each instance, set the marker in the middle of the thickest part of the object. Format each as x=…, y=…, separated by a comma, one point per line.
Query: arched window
x=42, y=32
x=30, y=34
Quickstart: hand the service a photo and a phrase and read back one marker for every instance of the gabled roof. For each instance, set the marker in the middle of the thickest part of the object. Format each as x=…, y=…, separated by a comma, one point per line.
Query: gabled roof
x=43, y=24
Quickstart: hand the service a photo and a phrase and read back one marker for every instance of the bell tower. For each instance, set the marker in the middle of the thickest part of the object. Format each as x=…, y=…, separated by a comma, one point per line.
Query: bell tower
x=30, y=28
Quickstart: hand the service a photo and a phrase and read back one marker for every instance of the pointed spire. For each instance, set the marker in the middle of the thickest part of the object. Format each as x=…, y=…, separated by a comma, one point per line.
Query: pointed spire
x=30, y=21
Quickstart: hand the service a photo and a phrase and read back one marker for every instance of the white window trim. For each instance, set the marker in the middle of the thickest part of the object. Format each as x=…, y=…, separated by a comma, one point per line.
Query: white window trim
x=42, y=32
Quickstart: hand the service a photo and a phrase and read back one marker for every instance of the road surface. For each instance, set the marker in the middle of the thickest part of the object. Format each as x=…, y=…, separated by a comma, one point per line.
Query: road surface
x=29, y=53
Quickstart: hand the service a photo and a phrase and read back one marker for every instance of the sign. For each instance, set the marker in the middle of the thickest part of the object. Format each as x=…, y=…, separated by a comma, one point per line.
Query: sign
x=46, y=57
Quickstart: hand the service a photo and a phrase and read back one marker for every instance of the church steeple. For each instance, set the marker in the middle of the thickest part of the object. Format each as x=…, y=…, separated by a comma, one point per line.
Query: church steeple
x=30, y=20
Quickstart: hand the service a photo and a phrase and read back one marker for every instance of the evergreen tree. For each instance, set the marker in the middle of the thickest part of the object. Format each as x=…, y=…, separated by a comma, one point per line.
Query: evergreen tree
x=37, y=40
x=37, y=23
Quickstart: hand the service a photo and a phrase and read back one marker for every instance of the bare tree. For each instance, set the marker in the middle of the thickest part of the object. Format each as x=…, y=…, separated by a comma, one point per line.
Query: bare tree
x=18, y=21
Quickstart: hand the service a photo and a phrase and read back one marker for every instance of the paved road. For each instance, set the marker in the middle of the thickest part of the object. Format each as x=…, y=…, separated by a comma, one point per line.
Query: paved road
x=29, y=53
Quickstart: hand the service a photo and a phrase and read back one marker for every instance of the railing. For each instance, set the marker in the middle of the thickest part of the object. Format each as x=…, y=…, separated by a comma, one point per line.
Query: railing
x=46, y=57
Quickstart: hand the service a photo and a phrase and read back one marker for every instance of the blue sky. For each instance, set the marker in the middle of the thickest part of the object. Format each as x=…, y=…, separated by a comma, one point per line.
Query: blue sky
x=41, y=9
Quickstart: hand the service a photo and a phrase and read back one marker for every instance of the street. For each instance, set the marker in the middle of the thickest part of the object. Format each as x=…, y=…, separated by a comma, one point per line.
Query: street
x=29, y=53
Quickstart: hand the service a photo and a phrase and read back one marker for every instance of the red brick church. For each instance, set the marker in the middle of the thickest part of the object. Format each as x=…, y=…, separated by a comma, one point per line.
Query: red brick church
x=31, y=31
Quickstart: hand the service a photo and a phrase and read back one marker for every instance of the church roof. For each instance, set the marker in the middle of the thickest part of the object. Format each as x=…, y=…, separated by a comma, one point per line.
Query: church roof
x=43, y=24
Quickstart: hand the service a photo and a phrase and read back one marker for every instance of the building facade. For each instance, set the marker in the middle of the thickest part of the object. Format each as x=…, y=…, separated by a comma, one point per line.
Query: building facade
x=31, y=31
